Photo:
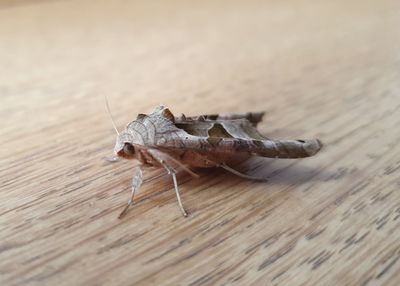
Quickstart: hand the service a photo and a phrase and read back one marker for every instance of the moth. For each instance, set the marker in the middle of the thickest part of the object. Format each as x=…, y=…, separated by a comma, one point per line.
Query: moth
x=163, y=140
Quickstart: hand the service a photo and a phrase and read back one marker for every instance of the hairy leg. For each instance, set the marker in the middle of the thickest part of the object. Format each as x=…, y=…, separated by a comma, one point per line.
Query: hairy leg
x=136, y=183
x=171, y=172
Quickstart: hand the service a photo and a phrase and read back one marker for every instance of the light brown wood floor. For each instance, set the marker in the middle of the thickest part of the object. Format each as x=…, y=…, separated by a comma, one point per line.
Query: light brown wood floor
x=321, y=69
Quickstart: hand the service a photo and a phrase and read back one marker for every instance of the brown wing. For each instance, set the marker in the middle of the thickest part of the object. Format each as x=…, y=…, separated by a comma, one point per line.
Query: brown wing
x=253, y=117
x=226, y=136
x=235, y=128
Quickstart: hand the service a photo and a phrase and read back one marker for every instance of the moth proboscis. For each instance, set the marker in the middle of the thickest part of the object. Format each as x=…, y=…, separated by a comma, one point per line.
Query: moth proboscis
x=164, y=141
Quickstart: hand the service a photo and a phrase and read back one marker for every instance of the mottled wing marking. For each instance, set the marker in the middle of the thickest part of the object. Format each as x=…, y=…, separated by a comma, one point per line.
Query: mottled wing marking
x=253, y=117
x=167, y=114
x=242, y=128
x=219, y=131
x=240, y=125
x=214, y=141
x=238, y=128
x=138, y=132
x=195, y=129
x=265, y=148
x=158, y=130
x=209, y=132
x=148, y=130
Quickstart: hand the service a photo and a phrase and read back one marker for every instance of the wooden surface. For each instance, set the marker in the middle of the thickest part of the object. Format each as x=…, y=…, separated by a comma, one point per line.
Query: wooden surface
x=325, y=69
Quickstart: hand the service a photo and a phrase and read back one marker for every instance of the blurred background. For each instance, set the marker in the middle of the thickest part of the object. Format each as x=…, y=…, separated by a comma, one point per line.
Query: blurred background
x=187, y=55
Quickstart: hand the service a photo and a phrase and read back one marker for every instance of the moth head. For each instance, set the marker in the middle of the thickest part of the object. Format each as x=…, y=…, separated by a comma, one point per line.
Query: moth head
x=124, y=147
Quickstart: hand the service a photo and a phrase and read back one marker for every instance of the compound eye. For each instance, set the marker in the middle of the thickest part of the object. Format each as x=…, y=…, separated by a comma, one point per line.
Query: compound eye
x=129, y=149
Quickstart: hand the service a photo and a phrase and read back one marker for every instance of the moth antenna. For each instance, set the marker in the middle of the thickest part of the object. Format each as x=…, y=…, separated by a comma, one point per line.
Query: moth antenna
x=110, y=114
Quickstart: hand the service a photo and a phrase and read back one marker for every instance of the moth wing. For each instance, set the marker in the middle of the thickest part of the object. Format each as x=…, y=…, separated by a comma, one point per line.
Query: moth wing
x=222, y=136
x=208, y=136
x=231, y=136
x=161, y=130
x=253, y=117
x=242, y=129
x=235, y=128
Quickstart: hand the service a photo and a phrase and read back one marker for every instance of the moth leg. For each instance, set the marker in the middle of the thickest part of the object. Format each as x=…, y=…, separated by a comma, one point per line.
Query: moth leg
x=237, y=173
x=136, y=183
x=184, y=168
x=160, y=156
x=171, y=172
x=183, y=211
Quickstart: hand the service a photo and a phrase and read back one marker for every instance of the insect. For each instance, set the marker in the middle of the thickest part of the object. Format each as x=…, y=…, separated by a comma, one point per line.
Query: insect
x=163, y=140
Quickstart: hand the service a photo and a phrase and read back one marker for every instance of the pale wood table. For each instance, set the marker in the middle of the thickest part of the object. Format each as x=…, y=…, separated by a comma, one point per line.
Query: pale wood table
x=322, y=69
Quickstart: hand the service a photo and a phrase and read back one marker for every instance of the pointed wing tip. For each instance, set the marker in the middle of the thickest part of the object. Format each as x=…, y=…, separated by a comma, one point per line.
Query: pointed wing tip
x=312, y=147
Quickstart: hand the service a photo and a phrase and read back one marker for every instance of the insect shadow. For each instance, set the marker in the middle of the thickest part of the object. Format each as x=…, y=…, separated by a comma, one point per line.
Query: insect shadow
x=278, y=173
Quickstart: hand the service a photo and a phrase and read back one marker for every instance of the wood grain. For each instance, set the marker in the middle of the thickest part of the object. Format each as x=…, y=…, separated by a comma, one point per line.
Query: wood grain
x=326, y=69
